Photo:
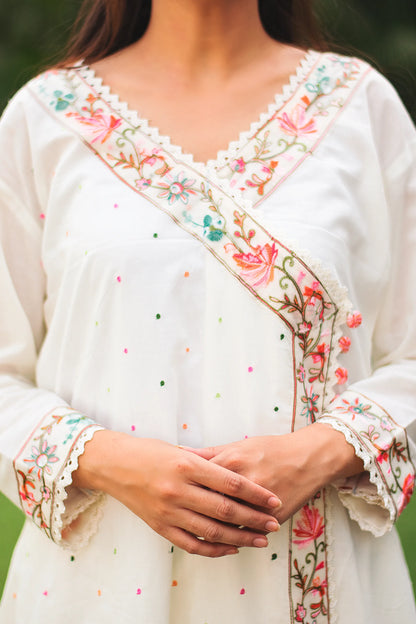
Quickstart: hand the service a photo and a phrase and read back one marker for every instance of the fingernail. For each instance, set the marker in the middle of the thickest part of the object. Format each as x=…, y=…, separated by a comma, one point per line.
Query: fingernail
x=260, y=542
x=232, y=551
x=272, y=526
x=274, y=502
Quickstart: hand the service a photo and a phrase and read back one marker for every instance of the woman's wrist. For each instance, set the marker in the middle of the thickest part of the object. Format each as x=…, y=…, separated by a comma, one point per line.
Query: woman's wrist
x=95, y=463
x=335, y=457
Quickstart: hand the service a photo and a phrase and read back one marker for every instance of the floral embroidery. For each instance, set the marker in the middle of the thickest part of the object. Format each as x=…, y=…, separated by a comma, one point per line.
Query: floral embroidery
x=180, y=188
x=309, y=529
x=380, y=437
x=345, y=344
x=354, y=320
x=297, y=125
x=61, y=101
x=40, y=462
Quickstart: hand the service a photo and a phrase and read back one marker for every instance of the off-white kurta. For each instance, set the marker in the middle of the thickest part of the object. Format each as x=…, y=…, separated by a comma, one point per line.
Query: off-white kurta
x=199, y=304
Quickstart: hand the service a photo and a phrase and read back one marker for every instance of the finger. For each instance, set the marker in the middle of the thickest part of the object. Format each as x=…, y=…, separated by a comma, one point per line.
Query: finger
x=205, y=453
x=234, y=485
x=217, y=532
x=229, y=511
x=195, y=546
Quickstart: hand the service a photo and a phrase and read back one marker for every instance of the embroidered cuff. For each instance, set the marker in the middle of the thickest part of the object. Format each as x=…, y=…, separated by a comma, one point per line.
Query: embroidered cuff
x=44, y=467
x=377, y=497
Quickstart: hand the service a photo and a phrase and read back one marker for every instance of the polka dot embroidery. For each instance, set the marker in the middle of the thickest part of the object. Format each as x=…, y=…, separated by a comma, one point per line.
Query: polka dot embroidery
x=282, y=336
x=45, y=593
x=274, y=557
x=72, y=558
x=276, y=409
x=14, y=596
x=115, y=205
x=155, y=235
x=187, y=349
x=184, y=426
x=220, y=320
x=218, y=396
x=126, y=351
x=99, y=592
x=42, y=215
x=115, y=551
x=250, y=369
x=174, y=583
x=133, y=427
x=162, y=383
x=242, y=591
x=186, y=274
x=118, y=278
x=138, y=592
x=158, y=316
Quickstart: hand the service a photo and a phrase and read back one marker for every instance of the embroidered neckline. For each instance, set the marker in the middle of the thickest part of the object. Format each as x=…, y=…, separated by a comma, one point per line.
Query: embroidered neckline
x=223, y=156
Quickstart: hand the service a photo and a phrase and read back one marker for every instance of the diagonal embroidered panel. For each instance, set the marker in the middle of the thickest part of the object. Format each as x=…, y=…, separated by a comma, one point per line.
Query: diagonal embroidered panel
x=312, y=307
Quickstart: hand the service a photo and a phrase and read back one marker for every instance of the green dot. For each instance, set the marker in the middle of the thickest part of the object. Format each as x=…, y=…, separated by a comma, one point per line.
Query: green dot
x=162, y=383
x=155, y=235
x=86, y=253
x=108, y=389
x=220, y=320
x=276, y=409
x=158, y=316
x=218, y=396
x=115, y=551
x=282, y=336
x=274, y=557
x=96, y=323
x=72, y=558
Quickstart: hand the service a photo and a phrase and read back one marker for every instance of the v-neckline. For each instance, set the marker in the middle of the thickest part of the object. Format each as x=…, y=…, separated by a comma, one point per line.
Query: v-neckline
x=224, y=156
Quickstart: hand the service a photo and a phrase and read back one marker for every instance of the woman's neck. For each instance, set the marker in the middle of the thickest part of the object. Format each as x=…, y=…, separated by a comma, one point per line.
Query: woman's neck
x=204, y=39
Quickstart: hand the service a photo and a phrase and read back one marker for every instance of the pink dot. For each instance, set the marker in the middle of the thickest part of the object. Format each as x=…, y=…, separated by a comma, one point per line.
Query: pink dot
x=250, y=369
x=115, y=205
x=118, y=278
x=139, y=591
x=133, y=427
x=242, y=591
x=45, y=593
x=245, y=437
x=42, y=215
x=126, y=350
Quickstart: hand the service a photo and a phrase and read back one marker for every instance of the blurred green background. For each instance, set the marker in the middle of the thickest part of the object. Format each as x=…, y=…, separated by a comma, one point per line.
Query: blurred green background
x=33, y=34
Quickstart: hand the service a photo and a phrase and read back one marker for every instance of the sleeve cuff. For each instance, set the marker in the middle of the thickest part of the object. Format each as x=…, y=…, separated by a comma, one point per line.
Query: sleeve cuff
x=376, y=497
x=44, y=467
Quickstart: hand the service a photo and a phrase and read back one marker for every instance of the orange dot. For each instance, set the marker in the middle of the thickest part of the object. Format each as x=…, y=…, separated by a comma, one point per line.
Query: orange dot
x=187, y=349
x=15, y=596
x=184, y=426
x=99, y=592
x=174, y=583
x=186, y=274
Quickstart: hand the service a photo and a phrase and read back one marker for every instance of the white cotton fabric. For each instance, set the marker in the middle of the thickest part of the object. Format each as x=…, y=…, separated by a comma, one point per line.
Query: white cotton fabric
x=97, y=312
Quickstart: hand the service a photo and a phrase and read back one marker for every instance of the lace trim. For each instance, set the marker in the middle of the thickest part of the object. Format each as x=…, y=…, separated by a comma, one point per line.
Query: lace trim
x=61, y=493
x=369, y=466
x=332, y=595
x=133, y=116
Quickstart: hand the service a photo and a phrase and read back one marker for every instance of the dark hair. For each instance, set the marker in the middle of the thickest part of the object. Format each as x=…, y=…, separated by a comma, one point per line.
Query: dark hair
x=106, y=26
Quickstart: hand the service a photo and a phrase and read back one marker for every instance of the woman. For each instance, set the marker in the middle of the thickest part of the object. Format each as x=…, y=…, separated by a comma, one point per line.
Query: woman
x=184, y=313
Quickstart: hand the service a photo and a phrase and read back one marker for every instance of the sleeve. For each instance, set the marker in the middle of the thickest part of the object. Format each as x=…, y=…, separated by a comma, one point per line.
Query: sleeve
x=377, y=415
x=41, y=437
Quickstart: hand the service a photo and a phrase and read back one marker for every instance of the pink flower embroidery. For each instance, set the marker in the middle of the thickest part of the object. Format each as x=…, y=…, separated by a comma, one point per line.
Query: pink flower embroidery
x=143, y=183
x=320, y=354
x=297, y=125
x=101, y=126
x=41, y=457
x=300, y=613
x=408, y=487
x=354, y=320
x=258, y=268
x=309, y=527
x=179, y=189
x=342, y=376
x=345, y=344
x=238, y=165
